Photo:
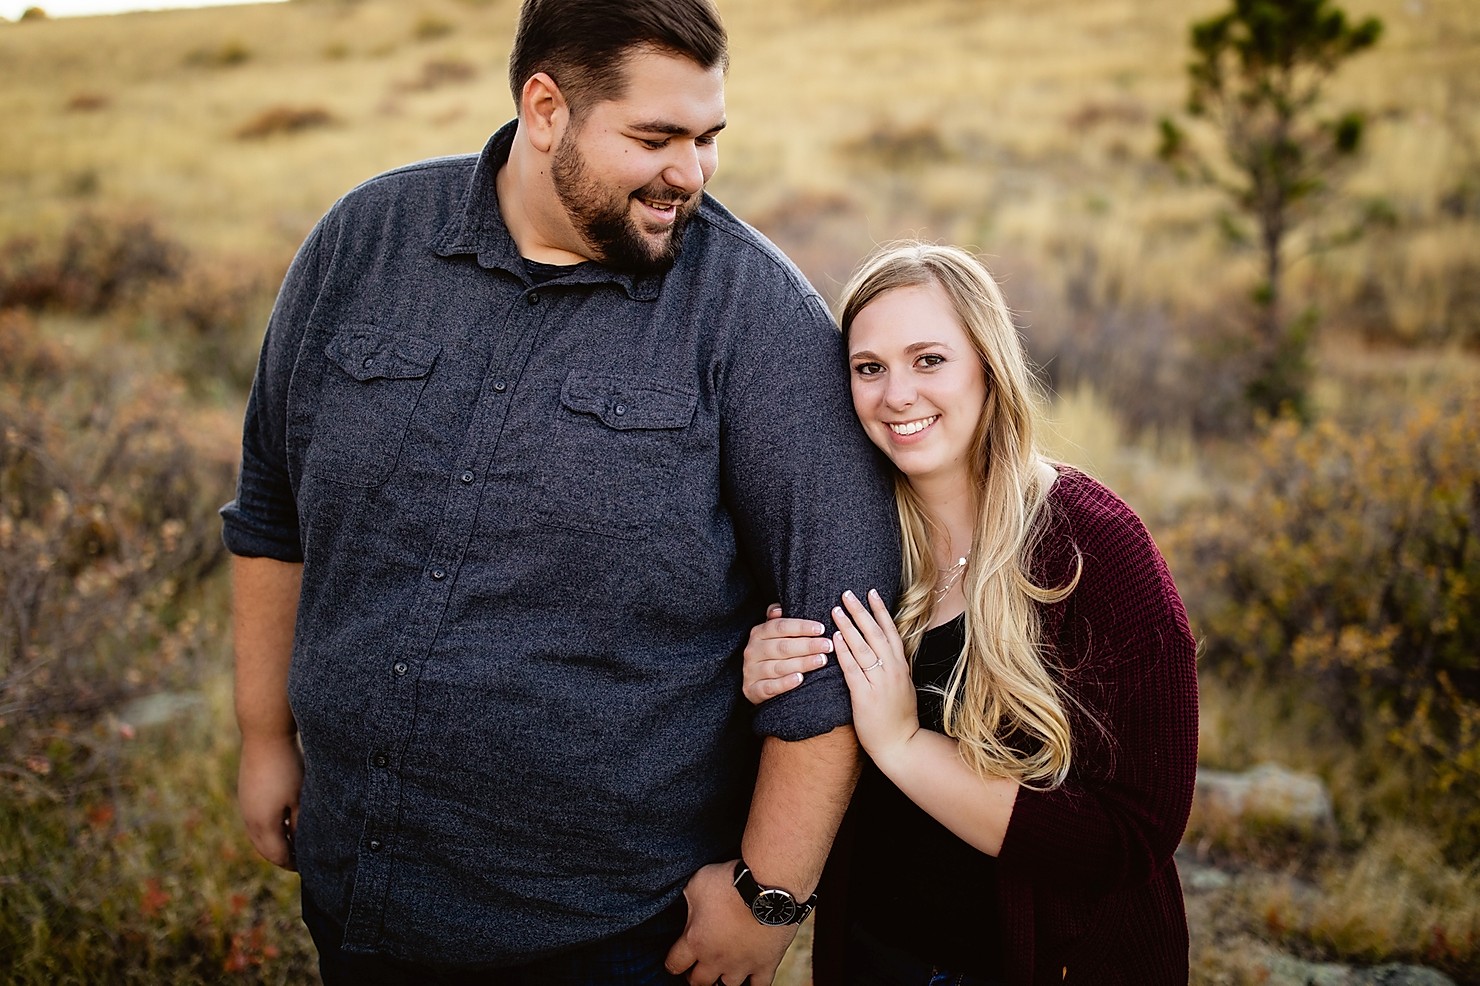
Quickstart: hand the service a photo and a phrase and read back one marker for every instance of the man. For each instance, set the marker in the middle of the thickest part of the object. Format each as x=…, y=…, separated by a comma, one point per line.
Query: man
x=534, y=437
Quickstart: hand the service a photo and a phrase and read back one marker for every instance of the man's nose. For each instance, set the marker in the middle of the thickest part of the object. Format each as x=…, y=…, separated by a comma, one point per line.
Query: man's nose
x=685, y=170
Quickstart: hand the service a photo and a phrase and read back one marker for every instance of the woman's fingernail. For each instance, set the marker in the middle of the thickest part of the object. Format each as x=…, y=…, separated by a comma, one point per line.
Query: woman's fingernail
x=848, y=594
x=818, y=660
x=837, y=611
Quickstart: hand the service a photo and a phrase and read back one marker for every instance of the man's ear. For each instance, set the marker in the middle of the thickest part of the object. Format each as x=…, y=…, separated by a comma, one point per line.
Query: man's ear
x=543, y=111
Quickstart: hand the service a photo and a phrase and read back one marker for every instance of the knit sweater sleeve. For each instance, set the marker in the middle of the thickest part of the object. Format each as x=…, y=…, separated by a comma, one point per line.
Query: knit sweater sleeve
x=1128, y=660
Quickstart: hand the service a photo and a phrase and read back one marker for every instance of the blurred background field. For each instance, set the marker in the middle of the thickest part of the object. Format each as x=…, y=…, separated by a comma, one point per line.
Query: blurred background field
x=157, y=171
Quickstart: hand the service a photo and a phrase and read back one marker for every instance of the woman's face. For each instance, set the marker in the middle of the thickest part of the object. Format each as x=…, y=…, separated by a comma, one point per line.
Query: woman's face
x=918, y=385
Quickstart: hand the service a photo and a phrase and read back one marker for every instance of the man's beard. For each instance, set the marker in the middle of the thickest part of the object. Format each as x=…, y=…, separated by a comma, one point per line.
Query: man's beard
x=607, y=226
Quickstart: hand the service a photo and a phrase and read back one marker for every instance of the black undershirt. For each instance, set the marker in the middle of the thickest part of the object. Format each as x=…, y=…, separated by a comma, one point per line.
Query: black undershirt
x=540, y=273
x=912, y=883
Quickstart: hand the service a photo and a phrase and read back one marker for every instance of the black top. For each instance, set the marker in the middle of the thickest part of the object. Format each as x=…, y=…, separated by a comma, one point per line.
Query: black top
x=913, y=883
x=544, y=273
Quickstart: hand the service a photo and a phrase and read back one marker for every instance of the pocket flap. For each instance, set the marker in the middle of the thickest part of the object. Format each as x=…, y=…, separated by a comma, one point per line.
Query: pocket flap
x=367, y=354
x=629, y=402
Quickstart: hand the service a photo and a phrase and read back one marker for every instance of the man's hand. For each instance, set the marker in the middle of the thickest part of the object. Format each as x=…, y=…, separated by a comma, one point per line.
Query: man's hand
x=722, y=941
x=267, y=786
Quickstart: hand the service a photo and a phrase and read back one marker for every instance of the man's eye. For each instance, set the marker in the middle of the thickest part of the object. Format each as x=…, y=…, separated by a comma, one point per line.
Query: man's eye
x=652, y=145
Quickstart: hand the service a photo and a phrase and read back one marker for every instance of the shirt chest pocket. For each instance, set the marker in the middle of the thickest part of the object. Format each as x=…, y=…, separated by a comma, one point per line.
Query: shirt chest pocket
x=610, y=465
x=371, y=386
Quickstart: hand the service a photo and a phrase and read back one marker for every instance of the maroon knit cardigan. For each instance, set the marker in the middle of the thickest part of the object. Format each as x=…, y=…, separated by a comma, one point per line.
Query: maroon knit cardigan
x=1087, y=887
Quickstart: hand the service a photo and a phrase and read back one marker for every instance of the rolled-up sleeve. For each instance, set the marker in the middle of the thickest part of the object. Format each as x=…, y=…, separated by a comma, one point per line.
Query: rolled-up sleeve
x=262, y=521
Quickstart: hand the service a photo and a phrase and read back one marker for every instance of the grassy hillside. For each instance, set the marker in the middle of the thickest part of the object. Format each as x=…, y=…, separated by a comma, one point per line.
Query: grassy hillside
x=1024, y=127
x=158, y=169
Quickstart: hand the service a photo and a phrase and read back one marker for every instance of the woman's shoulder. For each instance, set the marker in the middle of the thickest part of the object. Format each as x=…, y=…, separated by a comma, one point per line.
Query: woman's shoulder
x=1108, y=536
x=1090, y=509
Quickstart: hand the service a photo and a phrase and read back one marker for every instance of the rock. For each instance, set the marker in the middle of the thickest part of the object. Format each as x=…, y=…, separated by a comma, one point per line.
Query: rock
x=1199, y=877
x=160, y=708
x=1269, y=795
x=1286, y=970
x=1405, y=975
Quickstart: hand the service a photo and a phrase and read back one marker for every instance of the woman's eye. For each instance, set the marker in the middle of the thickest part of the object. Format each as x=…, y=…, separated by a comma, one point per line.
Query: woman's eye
x=932, y=359
x=867, y=369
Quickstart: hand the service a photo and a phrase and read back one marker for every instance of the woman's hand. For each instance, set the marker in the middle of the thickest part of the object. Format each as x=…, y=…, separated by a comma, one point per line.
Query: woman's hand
x=871, y=654
x=780, y=651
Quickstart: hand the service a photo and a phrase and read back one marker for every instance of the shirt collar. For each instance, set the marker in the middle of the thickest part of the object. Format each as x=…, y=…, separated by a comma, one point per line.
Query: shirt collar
x=478, y=229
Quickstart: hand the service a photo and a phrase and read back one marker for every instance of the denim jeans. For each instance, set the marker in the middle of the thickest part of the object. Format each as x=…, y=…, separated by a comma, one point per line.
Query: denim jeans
x=870, y=962
x=633, y=958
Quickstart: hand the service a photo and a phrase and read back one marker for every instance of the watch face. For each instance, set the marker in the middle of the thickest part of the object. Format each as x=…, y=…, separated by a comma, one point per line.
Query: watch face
x=774, y=907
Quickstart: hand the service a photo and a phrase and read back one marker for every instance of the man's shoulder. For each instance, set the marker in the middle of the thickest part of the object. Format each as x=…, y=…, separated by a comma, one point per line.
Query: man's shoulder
x=446, y=176
x=737, y=252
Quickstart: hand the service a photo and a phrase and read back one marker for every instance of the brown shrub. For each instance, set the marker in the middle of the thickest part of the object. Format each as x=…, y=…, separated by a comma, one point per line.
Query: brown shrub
x=212, y=316
x=1094, y=113
x=284, y=120
x=105, y=524
x=87, y=102
x=1350, y=565
x=101, y=261
x=431, y=27
x=894, y=146
x=224, y=55
x=440, y=72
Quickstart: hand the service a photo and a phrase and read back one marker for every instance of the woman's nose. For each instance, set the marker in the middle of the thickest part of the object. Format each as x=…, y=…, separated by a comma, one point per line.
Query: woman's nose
x=900, y=391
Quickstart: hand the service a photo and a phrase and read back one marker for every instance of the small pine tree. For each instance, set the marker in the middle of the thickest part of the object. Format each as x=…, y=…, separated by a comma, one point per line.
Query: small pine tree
x=1257, y=76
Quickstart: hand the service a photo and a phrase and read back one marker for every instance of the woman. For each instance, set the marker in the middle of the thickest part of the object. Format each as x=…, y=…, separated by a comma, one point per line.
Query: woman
x=1030, y=713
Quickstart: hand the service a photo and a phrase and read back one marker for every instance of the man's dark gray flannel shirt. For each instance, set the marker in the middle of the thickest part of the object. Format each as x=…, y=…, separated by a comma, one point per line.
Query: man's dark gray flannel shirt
x=537, y=522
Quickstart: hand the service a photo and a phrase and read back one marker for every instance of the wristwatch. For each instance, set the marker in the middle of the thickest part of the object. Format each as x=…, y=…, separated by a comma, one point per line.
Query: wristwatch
x=771, y=906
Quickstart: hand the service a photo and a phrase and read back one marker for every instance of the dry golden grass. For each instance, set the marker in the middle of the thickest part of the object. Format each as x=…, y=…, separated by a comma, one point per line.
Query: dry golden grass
x=1037, y=123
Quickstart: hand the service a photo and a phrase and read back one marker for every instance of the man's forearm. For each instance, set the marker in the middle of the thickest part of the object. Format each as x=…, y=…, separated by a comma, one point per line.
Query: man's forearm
x=264, y=604
x=801, y=792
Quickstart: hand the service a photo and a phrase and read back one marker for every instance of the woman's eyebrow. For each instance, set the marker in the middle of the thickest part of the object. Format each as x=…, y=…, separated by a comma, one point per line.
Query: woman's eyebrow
x=913, y=347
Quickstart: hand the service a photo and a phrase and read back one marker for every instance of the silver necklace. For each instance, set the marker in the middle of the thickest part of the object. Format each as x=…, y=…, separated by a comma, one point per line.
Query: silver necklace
x=948, y=578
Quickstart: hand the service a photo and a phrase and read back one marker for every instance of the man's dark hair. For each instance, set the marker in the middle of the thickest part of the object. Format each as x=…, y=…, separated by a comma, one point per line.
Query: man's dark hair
x=581, y=43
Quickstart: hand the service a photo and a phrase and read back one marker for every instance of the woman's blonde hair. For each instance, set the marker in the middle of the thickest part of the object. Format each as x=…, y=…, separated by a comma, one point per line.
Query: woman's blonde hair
x=1002, y=705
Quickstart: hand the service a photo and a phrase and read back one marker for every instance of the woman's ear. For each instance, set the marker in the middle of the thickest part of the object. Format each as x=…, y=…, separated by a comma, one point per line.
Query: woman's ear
x=543, y=111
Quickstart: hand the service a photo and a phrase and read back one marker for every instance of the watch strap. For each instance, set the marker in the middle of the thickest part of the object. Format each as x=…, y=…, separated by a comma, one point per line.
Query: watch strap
x=750, y=891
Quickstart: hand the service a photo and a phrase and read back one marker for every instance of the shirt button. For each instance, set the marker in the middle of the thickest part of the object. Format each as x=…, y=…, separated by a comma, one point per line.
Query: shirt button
x=375, y=845
x=369, y=362
x=621, y=409
x=381, y=760
x=533, y=297
x=400, y=667
x=466, y=477
x=499, y=387
x=438, y=575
